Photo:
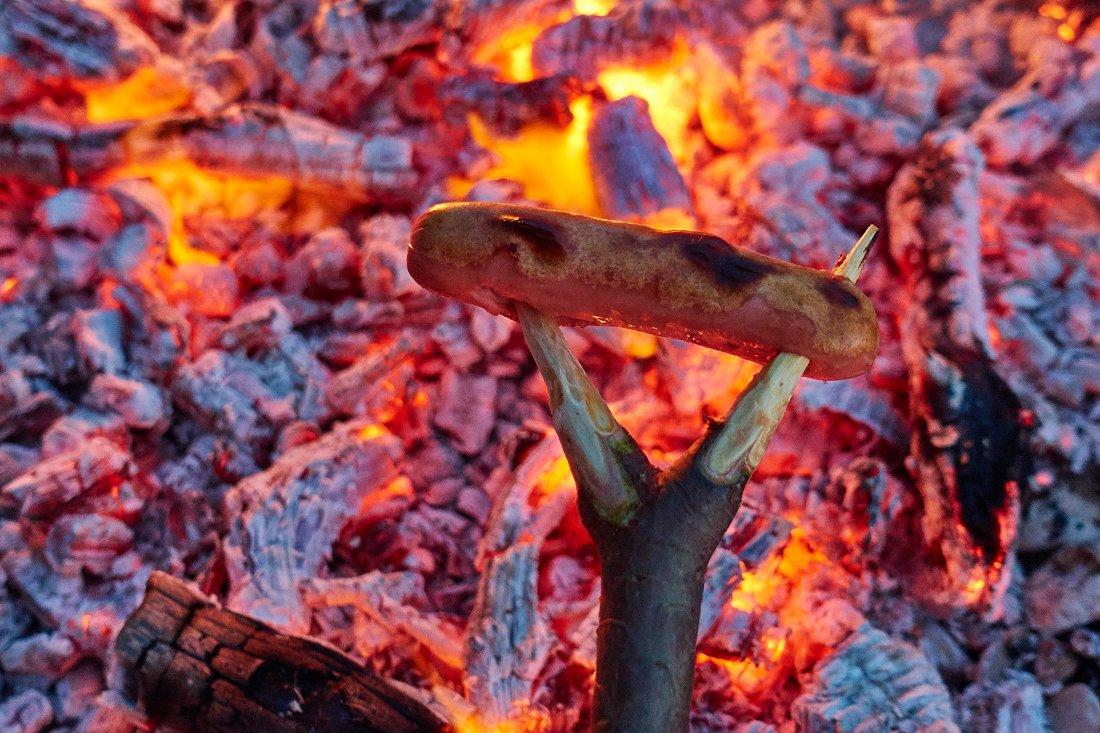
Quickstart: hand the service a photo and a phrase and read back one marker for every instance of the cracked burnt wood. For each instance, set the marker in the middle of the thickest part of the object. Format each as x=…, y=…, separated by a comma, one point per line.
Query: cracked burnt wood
x=195, y=666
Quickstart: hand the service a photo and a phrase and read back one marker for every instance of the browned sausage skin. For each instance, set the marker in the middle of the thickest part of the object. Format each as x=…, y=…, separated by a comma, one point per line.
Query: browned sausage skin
x=685, y=285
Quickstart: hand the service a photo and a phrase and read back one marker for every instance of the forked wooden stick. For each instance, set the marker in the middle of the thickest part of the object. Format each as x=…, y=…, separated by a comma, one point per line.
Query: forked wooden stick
x=656, y=531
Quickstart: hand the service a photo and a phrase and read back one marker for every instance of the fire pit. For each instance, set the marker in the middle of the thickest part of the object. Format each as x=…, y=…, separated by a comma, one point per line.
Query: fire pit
x=253, y=475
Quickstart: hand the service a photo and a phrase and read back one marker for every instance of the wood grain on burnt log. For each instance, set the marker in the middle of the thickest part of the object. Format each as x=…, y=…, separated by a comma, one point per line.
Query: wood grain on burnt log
x=195, y=666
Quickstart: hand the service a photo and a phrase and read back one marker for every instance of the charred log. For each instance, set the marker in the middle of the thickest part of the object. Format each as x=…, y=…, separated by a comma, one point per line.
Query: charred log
x=195, y=666
x=633, y=169
x=967, y=445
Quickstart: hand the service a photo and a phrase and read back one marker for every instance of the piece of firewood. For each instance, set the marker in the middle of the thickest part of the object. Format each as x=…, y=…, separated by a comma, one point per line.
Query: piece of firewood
x=195, y=666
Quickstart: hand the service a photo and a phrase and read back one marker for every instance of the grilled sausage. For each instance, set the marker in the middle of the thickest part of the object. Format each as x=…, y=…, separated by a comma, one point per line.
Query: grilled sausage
x=686, y=285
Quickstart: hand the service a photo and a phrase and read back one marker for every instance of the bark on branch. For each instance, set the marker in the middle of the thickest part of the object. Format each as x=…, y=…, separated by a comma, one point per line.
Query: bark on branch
x=195, y=666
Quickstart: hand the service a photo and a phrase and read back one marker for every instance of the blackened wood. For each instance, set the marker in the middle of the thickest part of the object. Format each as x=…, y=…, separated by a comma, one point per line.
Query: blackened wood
x=195, y=666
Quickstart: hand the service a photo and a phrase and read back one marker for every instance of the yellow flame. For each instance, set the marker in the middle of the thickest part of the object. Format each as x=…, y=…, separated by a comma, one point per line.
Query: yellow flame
x=7, y=288
x=195, y=191
x=1053, y=11
x=372, y=431
x=550, y=161
x=594, y=7
x=667, y=86
x=148, y=92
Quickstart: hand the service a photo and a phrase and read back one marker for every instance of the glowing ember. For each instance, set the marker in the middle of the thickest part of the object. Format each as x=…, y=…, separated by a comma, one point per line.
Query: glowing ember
x=147, y=93
x=550, y=161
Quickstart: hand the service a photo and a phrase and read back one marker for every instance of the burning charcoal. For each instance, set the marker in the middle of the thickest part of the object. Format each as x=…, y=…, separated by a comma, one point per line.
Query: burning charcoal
x=382, y=604
x=99, y=340
x=86, y=542
x=373, y=382
x=211, y=290
x=754, y=536
x=966, y=444
x=585, y=44
x=466, y=409
x=945, y=654
x=376, y=29
x=77, y=690
x=489, y=331
x=385, y=241
x=723, y=575
x=53, y=486
x=14, y=460
x=507, y=642
x=261, y=324
x=1015, y=703
x=327, y=264
x=337, y=90
x=27, y=712
x=74, y=39
x=634, y=172
x=454, y=339
x=872, y=682
x=74, y=430
x=1026, y=122
x=260, y=264
x=44, y=655
x=286, y=518
x=140, y=404
x=80, y=211
x=507, y=107
x=228, y=393
x=862, y=403
x=910, y=89
x=1075, y=709
x=21, y=409
x=1065, y=591
x=128, y=249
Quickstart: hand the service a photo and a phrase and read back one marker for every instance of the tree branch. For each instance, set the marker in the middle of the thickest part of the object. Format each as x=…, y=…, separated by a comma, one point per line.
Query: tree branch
x=611, y=470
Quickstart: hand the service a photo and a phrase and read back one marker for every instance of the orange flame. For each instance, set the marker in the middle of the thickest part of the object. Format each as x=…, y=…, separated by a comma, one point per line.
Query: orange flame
x=148, y=92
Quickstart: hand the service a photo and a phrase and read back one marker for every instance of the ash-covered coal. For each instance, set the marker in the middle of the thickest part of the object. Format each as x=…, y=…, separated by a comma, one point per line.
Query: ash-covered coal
x=214, y=363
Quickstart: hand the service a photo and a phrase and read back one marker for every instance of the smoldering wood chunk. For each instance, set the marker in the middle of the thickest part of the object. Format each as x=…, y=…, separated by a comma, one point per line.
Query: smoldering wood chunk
x=873, y=682
x=264, y=140
x=756, y=535
x=366, y=31
x=372, y=381
x=195, y=666
x=23, y=410
x=967, y=444
x=632, y=167
x=286, y=519
x=507, y=641
x=508, y=106
x=480, y=21
x=585, y=44
x=28, y=712
x=53, y=153
x=64, y=482
x=63, y=38
x=466, y=409
x=1014, y=702
x=1064, y=592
